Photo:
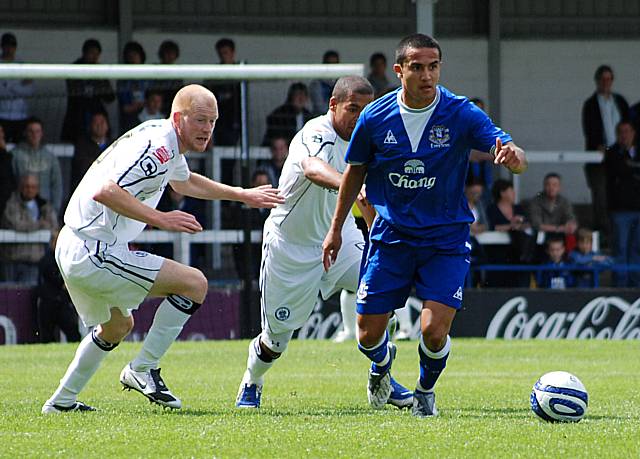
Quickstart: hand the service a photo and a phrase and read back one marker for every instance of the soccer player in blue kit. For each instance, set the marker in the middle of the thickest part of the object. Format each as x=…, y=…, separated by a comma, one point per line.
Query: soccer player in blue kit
x=412, y=146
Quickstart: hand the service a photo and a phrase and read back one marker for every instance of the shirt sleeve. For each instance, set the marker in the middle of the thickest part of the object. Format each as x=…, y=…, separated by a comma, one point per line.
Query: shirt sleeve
x=360, y=150
x=483, y=132
x=181, y=171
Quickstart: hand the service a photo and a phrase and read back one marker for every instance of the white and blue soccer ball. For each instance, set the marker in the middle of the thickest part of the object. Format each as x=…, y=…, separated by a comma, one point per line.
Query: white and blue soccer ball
x=559, y=396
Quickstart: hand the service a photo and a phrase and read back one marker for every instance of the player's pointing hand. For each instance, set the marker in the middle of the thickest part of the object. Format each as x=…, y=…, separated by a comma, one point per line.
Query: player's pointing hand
x=510, y=156
x=262, y=196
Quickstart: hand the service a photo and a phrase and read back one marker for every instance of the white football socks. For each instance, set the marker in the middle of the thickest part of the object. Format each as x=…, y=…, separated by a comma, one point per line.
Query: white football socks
x=348, y=311
x=256, y=367
x=83, y=366
x=167, y=325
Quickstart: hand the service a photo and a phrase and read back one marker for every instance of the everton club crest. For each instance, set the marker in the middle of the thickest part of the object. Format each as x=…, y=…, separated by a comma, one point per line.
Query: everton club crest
x=439, y=136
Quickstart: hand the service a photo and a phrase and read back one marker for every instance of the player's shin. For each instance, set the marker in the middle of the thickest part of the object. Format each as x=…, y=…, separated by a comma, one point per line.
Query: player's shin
x=89, y=355
x=378, y=354
x=170, y=317
x=258, y=363
x=431, y=364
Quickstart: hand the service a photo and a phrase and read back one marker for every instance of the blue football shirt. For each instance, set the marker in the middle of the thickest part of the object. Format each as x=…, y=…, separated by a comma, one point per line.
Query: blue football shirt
x=417, y=164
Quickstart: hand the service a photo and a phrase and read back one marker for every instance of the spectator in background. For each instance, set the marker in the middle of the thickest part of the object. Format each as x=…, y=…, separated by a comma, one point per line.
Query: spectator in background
x=585, y=257
x=622, y=165
x=31, y=157
x=54, y=309
x=473, y=191
x=552, y=213
x=289, y=118
x=85, y=97
x=507, y=216
x=279, y=149
x=7, y=179
x=14, y=109
x=25, y=211
x=378, y=74
x=320, y=90
x=556, y=276
x=89, y=147
x=131, y=92
x=152, y=109
x=634, y=114
x=168, y=53
x=602, y=112
x=227, y=93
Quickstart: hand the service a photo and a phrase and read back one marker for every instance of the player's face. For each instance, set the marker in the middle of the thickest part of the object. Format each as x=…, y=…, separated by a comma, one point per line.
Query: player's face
x=419, y=75
x=346, y=113
x=196, y=126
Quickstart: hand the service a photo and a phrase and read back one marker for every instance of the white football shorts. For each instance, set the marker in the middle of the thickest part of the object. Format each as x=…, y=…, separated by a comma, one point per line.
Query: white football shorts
x=291, y=276
x=100, y=277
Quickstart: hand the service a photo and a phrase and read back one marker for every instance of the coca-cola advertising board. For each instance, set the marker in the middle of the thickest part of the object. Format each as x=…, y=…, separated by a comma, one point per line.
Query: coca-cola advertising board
x=549, y=314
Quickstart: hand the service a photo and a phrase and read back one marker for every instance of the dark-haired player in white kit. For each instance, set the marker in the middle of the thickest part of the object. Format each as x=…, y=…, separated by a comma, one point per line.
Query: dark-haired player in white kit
x=291, y=273
x=113, y=203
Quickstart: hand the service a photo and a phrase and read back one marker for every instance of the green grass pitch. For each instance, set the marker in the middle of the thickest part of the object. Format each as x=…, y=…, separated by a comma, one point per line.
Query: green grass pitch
x=314, y=404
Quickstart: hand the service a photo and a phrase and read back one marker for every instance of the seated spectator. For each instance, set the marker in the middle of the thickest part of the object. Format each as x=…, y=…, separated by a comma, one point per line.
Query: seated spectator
x=25, y=211
x=622, y=166
x=551, y=212
x=507, y=216
x=378, y=74
x=89, y=147
x=584, y=256
x=32, y=157
x=557, y=276
x=7, y=179
x=54, y=309
x=288, y=119
x=85, y=97
x=152, y=106
x=227, y=131
x=320, y=90
x=279, y=149
x=168, y=53
x=473, y=192
x=602, y=111
x=14, y=109
x=131, y=93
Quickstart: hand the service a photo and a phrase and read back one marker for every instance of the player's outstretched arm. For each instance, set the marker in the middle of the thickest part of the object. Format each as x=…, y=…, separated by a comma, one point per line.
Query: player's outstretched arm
x=351, y=184
x=120, y=201
x=199, y=186
x=510, y=156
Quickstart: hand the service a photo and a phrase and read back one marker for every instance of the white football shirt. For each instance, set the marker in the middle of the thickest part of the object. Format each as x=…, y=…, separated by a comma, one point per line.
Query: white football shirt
x=305, y=216
x=142, y=162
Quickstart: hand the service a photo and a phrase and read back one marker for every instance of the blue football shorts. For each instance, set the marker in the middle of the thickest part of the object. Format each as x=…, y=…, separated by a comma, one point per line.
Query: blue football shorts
x=391, y=270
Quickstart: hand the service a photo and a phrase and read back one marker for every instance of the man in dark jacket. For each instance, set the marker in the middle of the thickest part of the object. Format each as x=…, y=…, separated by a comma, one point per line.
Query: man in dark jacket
x=602, y=112
x=85, y=97
x=622, y=165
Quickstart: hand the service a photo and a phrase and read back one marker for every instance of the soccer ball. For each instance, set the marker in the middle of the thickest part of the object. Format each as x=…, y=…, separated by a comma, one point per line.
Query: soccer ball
x=559, y=396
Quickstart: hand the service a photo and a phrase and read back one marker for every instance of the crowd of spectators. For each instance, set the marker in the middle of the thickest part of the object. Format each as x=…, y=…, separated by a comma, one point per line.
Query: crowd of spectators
x=542, y=229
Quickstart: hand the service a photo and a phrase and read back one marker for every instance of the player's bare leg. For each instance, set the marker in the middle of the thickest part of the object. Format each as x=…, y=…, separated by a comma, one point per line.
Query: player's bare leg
x=89, y=355
x=434, y=347
x=185, y=289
